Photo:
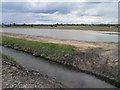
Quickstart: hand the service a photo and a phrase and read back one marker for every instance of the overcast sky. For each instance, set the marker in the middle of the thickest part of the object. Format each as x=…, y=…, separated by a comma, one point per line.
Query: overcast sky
x=39, y=12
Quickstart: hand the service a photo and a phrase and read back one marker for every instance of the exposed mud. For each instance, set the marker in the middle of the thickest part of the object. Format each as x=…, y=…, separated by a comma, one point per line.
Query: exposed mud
x=98, y=58
x=81, y=44
x=15, y=76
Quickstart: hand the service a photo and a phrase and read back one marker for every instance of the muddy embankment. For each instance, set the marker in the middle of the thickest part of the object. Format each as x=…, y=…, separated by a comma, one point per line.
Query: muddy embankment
x=101, y=62
x=15, y=76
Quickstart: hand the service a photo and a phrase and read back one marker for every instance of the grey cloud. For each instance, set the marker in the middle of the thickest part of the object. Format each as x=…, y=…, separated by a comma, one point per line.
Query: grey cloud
x=14, y=6
x=51, y=7
x=65, y=12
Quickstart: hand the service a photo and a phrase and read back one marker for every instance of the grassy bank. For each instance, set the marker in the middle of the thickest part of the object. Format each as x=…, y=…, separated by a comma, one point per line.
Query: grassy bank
x=96, y=28
x=9, y=59
x=6, y=57
x=43, y=49
x=13, y=72
x=89, y=61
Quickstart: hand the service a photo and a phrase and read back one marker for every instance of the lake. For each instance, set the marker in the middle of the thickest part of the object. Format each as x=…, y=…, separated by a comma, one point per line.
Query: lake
x=81, y=35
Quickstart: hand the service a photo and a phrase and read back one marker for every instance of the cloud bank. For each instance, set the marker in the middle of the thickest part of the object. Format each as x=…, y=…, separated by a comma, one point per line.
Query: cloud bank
x=60, y=12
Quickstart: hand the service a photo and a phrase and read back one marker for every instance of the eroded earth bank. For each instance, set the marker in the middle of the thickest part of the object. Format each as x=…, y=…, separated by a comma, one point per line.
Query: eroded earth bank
x=15, y=76
x=99, y=59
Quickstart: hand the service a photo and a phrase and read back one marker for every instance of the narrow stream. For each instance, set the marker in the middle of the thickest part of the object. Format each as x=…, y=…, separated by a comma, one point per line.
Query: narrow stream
x=69, y=78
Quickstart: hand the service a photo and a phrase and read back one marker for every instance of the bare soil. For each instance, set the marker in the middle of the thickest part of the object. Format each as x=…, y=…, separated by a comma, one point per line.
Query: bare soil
x=15, y=76
x=81, y=44
x=96, y=57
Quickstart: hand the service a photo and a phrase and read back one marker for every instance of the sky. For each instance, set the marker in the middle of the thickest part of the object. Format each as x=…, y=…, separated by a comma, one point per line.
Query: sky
x=52, y=12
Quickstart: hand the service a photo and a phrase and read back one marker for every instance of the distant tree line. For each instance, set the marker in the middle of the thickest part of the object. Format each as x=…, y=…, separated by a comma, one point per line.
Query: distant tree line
x=14, y=24
x=55, y=25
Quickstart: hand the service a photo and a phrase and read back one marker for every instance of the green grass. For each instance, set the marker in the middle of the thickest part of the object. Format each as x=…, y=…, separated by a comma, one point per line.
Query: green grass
x=10, y=59
x=37, y=44
x=44, y=49
x=6, y=57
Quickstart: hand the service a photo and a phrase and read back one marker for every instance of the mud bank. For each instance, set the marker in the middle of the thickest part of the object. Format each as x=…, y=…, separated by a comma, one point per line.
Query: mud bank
x=82, y=45
x=96, y=61
x=15, y=76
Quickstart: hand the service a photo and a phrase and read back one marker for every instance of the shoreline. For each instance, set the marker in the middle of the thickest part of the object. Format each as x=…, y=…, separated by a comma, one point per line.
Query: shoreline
x=96, y=74
x=76, y=43
x=14, y=72
x=88, y=66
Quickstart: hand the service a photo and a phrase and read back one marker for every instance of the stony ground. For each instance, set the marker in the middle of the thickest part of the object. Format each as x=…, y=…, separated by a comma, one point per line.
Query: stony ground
x=14, y=76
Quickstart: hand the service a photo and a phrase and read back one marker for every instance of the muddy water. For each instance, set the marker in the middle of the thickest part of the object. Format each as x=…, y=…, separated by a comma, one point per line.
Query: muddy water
x=83, y=35
x=69, y=78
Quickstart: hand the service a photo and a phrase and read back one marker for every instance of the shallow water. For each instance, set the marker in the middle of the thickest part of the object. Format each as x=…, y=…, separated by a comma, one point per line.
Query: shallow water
x=83, y=35
x=69, y=78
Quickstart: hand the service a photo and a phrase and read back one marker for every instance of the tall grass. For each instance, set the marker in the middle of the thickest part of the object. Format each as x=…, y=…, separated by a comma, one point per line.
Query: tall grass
x=7, y=57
